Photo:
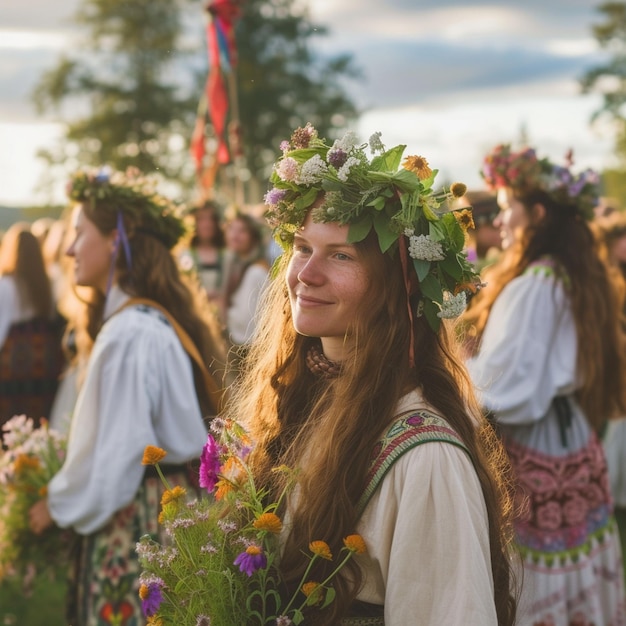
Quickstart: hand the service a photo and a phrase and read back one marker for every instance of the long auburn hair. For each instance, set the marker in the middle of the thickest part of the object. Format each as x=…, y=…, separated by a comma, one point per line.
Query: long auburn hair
x=21, y=257
x=155, y=275
x=563, y=235
x=295, y=413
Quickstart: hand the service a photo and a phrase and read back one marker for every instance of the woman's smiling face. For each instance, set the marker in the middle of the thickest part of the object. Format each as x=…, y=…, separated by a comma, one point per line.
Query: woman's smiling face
x=328, y=283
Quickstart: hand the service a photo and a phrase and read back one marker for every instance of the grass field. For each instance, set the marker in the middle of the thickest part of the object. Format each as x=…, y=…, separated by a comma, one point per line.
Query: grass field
x=45, y=606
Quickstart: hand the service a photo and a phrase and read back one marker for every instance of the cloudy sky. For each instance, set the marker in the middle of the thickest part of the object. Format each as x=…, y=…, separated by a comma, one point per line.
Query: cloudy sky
x=448, y=78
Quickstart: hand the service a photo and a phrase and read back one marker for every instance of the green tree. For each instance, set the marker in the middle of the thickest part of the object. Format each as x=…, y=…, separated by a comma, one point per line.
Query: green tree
x=137, y=89
x=283, y=83
x=609, y=80
x=133, y=108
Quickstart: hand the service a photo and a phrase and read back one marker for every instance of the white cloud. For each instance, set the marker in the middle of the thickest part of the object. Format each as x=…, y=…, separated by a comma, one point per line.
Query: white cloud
x=32, y=40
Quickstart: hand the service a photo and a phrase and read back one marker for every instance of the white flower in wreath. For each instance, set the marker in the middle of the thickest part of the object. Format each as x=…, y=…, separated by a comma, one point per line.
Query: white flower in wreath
x=453, y=305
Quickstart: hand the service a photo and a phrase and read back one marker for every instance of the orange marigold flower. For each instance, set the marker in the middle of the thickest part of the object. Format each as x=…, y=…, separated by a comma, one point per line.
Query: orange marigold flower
x=223, y=488
x=465, y=219
x=321, y=548
x=269, y=522
x=458, y=189
x=313, y=592
x=43, y=491
x=173, y=495
x=24, y=462
x=419, y=165
x=355, y=543
x=153, y=455
x=143, y=591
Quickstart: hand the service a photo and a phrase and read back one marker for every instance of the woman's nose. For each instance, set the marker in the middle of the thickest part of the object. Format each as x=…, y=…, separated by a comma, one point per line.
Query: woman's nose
x=311, y=272
x=497, y=220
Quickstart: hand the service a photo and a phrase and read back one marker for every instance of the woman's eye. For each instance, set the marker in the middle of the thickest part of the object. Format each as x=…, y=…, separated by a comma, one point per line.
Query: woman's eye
x=343, y=257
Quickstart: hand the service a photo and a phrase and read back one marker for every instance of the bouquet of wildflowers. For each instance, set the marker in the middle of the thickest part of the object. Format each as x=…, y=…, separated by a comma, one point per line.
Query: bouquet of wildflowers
x=29, y=459
x=218, y=564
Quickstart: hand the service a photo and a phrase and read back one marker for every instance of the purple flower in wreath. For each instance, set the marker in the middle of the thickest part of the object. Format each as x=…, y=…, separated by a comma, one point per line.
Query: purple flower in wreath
x=151, y=598
x=251, y=560
x=209, y=464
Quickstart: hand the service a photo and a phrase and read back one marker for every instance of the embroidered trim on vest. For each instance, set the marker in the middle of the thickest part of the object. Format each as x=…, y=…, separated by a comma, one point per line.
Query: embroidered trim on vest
x=408, y=430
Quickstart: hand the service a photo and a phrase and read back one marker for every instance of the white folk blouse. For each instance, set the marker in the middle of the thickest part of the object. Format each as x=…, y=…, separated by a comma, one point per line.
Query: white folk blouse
x=528, y=350
x=138, y=391
x=11, y=308
x=427, y=536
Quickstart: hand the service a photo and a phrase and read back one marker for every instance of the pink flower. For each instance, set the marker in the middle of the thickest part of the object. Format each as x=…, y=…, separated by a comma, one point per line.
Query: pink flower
x=287, y=169
x=209, y=465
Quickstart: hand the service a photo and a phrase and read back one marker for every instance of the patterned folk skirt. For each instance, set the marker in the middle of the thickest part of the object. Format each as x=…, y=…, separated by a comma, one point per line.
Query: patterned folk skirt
x=104, y=583
x=565, y=529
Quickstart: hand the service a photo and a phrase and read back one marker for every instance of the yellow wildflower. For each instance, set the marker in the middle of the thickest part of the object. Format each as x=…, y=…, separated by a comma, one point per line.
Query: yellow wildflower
x=313, y=592
x=269, y=522
x=143, y=591
x=321, y=548
x=173, y=495
x=419, y=165
x=465, y=219
x=43, y=491
x=355, y=543
x=153, y=455
x=154, y=620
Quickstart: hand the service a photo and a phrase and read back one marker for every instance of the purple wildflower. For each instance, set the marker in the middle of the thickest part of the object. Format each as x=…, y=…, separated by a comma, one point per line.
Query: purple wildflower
x=251, y=560
x=274, y=196
x=209, y=464
x=151, y=599
x=336, y=157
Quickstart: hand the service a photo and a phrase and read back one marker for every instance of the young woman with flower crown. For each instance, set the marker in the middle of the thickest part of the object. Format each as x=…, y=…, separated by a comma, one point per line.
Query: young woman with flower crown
x=149, y=348
x=551, y=369
x=353, y=379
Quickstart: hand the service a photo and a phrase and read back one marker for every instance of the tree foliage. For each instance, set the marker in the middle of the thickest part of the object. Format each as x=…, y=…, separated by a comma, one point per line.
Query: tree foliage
x=129, y=92
x=283, y=84
x=610, y=79
x=133, y=108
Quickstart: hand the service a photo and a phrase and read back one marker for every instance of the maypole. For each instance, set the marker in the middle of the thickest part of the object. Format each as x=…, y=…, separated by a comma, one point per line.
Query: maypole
x=219, y=95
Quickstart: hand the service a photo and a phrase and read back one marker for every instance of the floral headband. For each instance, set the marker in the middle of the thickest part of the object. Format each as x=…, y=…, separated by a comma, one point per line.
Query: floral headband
x=129, y=194
x=399, y=205
x=524, y=172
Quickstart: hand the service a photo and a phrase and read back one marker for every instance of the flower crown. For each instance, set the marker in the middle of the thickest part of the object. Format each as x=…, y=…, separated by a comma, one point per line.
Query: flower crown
x=131, y=194
x=399, y=205
x=524, y=172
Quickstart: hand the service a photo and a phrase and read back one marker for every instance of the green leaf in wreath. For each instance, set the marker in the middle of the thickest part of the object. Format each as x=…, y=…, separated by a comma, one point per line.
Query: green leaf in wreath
x=431, y=288
x=422, y=268
x=359, y=229
x=430, y=312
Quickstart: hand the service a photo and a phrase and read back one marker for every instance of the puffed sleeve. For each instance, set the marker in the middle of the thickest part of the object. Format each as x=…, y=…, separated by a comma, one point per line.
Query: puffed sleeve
x=138, y=391
x=427, y=534
x=528, y=351
x=241, y=313
x=8, y=306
